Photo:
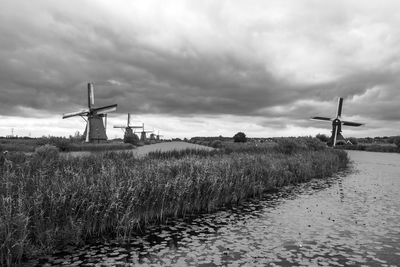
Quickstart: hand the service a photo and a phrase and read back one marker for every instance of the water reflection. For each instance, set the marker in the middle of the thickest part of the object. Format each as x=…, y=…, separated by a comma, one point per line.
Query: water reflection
x=351, y=219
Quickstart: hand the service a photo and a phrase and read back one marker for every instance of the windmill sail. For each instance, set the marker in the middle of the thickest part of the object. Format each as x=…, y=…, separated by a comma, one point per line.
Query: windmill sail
x=87, y=132
x=105, y=109
x=77, y=113
x=321, y=118
x=339, y=108
x=90, y=95
x=354, y=124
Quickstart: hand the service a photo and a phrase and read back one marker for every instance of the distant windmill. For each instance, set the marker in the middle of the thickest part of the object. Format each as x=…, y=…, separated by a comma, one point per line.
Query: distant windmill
x=143, y=133
x=128, y=127
x=95, y=130
x=158, y=136
x=337, y=124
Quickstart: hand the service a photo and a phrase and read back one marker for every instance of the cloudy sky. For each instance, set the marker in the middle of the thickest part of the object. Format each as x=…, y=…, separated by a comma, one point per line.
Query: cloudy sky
x=201, y=68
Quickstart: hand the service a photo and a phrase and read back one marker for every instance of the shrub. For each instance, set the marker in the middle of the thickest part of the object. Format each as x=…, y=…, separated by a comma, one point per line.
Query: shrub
x=239, y=138
x=289, y=145
x=396, y=141
x=313, y=144
x=46, y=152
x=216, y=144
x=322, y=137
x=131, y=138
x=353, y=140
x=63, y=144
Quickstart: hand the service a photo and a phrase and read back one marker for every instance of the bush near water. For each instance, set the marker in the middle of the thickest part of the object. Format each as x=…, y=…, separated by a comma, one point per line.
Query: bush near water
x=49, y=201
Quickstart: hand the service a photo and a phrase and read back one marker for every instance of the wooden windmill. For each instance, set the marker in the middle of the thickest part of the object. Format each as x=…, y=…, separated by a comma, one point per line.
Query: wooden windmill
x=95, y=130
x=337, y=123
x=158, y=136
x=128, y=127
x=143, y=133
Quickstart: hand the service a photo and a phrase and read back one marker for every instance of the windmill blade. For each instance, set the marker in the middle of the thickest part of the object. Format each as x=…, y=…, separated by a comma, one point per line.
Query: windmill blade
x=321, y=119
x=105, y=122
x=119, y=126
x=335, y=135
x=339, y=109
x=129, y=119
x=105, y=109
x=83, y=112
x=87, y=131
x=349, y=123
x=90, y=95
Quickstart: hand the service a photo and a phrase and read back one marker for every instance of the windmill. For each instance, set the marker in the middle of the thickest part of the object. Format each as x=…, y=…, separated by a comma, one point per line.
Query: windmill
x=158, y=136
x=128, y=128
x=95, y=130
x=337, y=125
x=143, y=133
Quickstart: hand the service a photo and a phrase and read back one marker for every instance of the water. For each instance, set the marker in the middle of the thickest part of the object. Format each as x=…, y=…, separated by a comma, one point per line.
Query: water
x=350, y=219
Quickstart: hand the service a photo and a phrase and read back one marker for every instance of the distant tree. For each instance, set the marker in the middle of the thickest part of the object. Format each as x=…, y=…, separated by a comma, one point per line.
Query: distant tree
x=239, y=138
x=322, y=137
x=353, y=140
x=396, y=141
x=131, y=138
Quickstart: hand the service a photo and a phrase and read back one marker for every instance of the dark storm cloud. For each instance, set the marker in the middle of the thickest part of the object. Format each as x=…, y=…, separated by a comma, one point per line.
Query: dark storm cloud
x=279, y=59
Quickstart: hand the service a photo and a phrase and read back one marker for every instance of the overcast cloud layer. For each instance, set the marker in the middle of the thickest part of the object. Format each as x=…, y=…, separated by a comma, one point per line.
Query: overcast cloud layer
x=203, y=67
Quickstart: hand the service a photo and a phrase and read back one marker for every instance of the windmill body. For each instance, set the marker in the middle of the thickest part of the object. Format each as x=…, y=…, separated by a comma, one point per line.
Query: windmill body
x=95, y=130
x=143, y=133
x=336, y=136
x=129, y=133
x=158, y=136
x=152, y=137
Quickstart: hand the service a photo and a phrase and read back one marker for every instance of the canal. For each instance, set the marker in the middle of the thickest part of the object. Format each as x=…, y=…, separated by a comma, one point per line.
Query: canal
x=351, y=219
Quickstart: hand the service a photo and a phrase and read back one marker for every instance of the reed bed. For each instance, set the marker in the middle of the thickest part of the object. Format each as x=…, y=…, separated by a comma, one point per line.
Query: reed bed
x=48, y=201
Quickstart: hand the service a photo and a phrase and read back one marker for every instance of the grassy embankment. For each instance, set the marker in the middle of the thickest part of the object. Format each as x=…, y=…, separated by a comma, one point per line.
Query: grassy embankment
x=372, y=148
x=47, y=200
x=63, y=144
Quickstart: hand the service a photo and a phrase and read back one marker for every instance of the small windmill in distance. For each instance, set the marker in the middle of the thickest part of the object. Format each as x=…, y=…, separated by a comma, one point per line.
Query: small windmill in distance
x=143, y=134
x=95, y=130
x=158, y=136
x=337, y=123
x=128, y=129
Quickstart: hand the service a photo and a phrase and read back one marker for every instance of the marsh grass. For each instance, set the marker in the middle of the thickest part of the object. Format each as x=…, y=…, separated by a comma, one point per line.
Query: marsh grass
x=46, y=202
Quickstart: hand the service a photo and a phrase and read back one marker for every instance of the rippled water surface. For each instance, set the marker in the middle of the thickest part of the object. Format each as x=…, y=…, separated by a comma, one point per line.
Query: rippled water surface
x=351, y=219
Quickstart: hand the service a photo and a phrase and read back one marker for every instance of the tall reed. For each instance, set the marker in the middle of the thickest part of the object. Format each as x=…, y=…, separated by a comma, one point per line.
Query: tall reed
x=47, y=201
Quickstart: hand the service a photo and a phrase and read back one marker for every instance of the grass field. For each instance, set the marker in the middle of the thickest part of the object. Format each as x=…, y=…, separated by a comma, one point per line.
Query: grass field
x=144, y=150
x=28, y=145
x=47, y=201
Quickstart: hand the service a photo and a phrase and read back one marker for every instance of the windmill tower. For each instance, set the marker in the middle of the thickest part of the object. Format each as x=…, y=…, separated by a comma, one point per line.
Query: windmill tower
x=128, y=128
x=158, y=136
x=95, y=130
x=143, y=134
x=337, y=123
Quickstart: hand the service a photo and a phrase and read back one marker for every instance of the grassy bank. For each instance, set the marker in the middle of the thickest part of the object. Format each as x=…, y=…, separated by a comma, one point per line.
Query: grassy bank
x=47, y=201
x=372, y=148
x=62, y=143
